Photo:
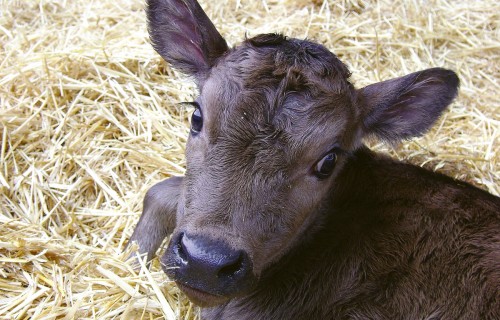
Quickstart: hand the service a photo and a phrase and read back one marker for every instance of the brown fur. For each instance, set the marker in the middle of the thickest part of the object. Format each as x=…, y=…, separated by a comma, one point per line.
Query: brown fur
x=374, y=238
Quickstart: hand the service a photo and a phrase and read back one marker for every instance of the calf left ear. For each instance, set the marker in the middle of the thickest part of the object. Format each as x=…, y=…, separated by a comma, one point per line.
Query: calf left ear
x=183, y=35
x=408, y=106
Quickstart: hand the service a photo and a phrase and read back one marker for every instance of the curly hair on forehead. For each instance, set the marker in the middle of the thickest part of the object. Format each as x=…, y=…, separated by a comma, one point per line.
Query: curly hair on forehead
x=269, y=58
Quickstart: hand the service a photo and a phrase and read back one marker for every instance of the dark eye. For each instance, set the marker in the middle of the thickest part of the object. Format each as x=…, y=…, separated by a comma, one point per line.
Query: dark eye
x=196, y=120
x=325, y=166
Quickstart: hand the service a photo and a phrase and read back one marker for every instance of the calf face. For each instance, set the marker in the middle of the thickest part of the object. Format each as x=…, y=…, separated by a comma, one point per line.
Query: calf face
x=274, y=124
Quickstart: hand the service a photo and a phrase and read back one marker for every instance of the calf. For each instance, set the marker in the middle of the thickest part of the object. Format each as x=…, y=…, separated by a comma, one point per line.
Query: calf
x=284, y=214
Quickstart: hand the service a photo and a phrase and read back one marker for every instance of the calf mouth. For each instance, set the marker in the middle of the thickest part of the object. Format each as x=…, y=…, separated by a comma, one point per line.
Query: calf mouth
x=201, y=298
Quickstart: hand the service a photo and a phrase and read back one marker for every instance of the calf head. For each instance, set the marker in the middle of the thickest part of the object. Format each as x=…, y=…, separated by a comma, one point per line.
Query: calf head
x=275, y=122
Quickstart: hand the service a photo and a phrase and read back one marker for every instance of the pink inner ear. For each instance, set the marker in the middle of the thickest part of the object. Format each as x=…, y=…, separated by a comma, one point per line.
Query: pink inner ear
x=185, y=44
x=184, y=36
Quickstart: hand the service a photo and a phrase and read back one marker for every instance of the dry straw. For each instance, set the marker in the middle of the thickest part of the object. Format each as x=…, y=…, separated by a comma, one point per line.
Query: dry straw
x=88, y=121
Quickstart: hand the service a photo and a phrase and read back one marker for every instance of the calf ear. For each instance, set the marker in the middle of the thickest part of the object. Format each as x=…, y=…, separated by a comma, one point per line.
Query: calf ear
x=406, y=107
x=183, y=35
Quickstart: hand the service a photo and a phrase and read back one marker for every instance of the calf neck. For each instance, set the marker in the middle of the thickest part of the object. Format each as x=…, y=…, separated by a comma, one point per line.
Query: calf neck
x=284, y=213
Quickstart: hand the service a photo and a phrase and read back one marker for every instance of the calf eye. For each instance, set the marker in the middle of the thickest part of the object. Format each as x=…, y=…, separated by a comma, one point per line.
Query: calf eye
x=196, y=120
x=325, y=166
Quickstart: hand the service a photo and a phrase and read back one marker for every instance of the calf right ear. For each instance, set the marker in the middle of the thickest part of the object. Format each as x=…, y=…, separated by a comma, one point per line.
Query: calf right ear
x=408, y=106
x=183, y=35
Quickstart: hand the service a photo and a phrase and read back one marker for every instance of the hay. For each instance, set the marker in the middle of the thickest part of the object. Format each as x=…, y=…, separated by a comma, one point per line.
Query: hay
x=89, y=121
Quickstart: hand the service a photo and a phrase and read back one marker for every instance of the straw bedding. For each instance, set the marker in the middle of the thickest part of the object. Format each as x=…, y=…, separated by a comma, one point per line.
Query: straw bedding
x=89, y=120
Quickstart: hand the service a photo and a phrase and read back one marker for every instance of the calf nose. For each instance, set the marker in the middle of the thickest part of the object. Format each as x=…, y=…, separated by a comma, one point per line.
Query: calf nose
x=209, y=265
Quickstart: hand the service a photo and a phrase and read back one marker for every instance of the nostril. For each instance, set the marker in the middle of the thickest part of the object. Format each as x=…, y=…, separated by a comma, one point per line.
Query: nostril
x=231, y=268
x=181, y=249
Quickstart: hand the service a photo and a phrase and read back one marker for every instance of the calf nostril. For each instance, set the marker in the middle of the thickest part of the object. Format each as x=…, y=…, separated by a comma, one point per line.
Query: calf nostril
x=231, y=268
x=181, y=249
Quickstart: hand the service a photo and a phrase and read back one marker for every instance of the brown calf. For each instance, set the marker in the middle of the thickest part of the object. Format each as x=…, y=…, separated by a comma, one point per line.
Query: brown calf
x=284, y=214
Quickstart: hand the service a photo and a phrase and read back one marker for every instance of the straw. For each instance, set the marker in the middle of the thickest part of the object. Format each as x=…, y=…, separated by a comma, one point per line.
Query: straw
x=89, y=120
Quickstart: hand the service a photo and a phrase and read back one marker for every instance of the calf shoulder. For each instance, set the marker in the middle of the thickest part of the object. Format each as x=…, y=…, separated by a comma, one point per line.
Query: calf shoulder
x=430, y=245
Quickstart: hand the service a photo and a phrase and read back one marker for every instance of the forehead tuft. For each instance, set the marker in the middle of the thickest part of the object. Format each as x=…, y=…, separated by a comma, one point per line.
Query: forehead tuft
x=271, y=58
